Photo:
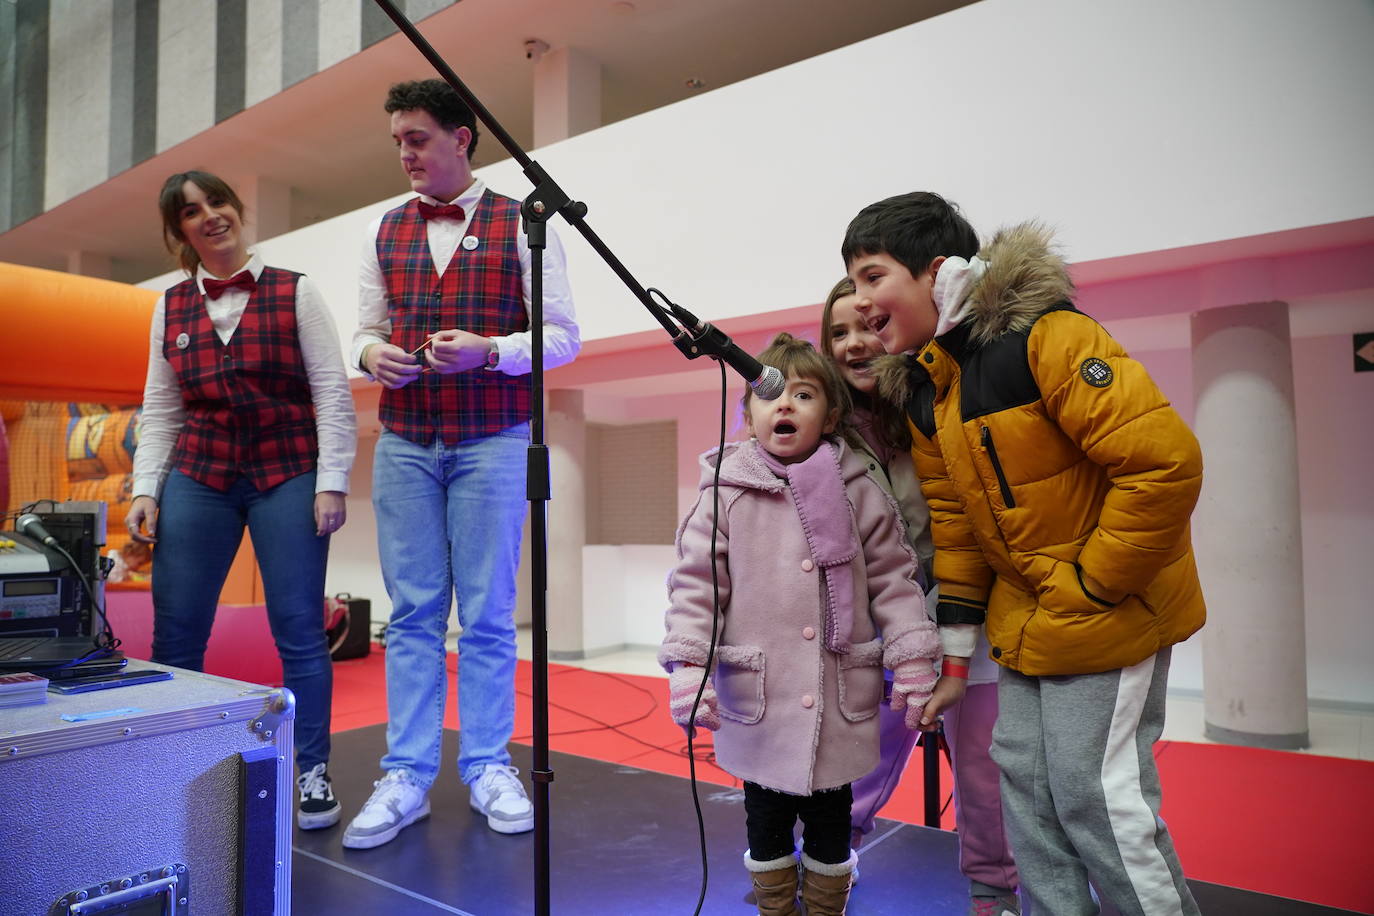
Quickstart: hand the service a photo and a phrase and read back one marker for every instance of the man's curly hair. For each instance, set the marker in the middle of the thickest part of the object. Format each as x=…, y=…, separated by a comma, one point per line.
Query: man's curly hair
x=438, y=98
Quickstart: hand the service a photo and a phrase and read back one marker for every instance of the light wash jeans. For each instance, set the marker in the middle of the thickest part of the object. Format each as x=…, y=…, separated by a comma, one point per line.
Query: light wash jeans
x=198, y=532
x=449, y=522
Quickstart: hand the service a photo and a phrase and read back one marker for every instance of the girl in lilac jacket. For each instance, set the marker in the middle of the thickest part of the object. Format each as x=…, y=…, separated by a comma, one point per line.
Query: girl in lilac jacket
x=811, y=565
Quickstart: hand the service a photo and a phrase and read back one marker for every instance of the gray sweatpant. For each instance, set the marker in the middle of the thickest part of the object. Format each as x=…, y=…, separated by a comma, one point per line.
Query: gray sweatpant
x=1080, y=790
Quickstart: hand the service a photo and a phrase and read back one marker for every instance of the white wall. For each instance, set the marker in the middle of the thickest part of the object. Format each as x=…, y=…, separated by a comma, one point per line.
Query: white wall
x=624, y=594
x=1134, y=127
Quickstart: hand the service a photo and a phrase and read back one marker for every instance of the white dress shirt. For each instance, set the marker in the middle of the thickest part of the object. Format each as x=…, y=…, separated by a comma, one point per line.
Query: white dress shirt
x=164, y=411
x=561, y=337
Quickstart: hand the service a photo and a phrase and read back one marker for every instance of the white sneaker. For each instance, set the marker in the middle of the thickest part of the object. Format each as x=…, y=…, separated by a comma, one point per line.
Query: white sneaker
x=395, y=803
x=498, y=794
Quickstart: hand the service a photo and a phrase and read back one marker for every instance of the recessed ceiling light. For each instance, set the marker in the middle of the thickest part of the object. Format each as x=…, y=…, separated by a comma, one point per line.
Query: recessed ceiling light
x=693, y=83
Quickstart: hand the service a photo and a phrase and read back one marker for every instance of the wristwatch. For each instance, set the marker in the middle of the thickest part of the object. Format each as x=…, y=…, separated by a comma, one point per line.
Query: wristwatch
x=493, y=355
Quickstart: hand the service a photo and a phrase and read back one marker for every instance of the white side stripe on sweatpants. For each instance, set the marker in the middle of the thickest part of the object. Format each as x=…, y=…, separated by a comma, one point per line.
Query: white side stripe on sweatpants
x=1133, y=823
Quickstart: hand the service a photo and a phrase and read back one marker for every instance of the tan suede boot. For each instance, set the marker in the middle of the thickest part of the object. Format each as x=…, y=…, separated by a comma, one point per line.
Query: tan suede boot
x=825, y=888
x=775, y=885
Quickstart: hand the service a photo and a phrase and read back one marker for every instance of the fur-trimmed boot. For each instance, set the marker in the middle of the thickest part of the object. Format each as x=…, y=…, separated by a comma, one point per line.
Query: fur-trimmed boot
x=775, y=885
x=825, y=888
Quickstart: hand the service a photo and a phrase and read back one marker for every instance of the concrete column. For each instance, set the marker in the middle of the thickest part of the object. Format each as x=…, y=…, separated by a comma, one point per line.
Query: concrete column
x=267, y=207
x=566, y=430
x=80, y=56
x=567, y=95
x=262, y=72
x=186, y=65
x=1247, y=530
x=89, y=264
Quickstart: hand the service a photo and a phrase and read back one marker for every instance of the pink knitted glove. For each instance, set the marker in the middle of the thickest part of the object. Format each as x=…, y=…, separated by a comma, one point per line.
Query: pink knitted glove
x=912, y=683
x=683, y=683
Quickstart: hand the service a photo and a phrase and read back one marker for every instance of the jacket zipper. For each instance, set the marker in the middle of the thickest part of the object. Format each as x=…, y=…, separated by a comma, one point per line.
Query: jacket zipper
x=1007, y=498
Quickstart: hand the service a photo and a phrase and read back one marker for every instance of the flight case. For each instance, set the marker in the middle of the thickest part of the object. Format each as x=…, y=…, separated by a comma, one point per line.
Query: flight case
x=168, y=797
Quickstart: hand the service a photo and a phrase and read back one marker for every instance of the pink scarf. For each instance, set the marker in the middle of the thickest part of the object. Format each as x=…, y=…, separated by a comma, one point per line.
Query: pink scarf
x=827, y=519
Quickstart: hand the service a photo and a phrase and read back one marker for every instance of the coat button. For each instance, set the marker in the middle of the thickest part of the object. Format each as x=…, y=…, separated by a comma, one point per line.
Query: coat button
x=930, y=357
x=807, y=565
x=996, y=652
x=808, y=701
x=808, y=632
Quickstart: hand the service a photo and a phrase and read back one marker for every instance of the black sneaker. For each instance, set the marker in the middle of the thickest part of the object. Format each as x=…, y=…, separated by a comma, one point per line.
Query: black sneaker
x=319, y=808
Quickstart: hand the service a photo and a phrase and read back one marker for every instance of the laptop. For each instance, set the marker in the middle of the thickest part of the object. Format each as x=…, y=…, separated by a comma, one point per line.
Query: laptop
x=40, y=653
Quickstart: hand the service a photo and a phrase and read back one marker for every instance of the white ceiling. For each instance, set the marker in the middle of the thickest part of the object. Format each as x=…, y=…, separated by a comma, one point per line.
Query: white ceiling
x=326, y=137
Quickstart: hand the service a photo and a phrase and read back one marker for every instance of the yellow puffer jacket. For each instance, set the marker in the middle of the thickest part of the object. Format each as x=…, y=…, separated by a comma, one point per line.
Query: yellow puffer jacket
x=1047, y=453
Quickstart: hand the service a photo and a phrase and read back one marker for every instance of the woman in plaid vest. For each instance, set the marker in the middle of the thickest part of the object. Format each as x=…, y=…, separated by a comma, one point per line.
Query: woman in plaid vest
x=444, y=327
x=247, y=420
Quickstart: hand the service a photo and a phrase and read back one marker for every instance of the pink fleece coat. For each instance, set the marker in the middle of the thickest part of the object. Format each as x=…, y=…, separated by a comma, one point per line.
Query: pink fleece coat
x=796, y=717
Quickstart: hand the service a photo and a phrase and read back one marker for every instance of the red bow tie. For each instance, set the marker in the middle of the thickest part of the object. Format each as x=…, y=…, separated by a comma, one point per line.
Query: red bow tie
x=242, y=280
x=451, y=211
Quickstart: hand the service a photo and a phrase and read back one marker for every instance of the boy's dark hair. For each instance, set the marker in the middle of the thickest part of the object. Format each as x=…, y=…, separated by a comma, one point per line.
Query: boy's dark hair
x=889, y=420
x=438, y=98
x=793, y=356
x=913, y=229
x=172, y=198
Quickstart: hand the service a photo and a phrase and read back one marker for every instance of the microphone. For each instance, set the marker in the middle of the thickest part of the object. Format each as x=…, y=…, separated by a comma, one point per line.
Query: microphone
x=766, y=381
x=31, y=525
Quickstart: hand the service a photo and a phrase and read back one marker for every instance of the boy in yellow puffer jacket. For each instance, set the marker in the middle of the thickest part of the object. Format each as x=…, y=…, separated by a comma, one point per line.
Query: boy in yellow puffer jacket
x=1060, y=484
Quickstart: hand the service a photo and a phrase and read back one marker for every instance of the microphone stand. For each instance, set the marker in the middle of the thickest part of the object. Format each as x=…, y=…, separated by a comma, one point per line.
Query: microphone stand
x=537, y=209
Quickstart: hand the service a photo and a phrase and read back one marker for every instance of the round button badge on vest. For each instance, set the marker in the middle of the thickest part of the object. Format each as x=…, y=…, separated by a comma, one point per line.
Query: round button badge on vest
x=808, y=701
x=808, y=632
x=807, y=565
x=470, y=242
x=183, y=340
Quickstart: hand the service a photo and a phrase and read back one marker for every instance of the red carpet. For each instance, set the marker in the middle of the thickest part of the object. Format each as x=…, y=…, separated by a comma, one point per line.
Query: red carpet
x=1292, y=825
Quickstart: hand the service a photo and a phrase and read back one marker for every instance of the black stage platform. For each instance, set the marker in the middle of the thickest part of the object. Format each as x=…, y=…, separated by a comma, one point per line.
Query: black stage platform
x=624, y=841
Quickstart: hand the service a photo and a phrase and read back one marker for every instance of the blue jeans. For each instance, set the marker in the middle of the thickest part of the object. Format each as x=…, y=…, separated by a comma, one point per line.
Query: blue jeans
x=449, y=521
x=198, y=532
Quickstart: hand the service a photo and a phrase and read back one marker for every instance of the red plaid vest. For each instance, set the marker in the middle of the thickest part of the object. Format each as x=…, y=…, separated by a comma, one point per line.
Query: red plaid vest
x=479, y=292
x=248, y=406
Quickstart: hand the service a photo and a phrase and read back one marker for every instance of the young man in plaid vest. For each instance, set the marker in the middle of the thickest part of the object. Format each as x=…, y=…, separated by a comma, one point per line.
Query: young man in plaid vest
x=446, y=275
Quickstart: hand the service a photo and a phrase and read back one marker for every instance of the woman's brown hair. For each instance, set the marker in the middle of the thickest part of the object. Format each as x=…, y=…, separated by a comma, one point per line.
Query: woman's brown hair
x=173, y=198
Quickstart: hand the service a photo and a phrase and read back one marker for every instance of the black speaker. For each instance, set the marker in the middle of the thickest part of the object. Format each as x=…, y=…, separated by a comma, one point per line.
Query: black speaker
x=350, y=623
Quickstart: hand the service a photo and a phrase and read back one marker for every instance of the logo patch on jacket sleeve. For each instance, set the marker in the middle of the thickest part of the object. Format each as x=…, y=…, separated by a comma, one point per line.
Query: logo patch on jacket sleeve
x=1096, y=372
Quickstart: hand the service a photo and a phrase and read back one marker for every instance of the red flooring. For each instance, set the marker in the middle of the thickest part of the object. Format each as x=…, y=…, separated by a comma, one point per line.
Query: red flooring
x=1292, y=825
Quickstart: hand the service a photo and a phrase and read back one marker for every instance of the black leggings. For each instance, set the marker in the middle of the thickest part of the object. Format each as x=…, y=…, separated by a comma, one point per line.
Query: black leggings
x=771, y=816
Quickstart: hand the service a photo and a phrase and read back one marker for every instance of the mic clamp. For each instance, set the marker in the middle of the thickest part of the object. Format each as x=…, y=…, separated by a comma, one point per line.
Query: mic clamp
x=701, y=338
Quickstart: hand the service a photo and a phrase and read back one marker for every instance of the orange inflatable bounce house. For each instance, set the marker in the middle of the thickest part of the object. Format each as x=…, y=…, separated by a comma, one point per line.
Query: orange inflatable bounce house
x=73, y=359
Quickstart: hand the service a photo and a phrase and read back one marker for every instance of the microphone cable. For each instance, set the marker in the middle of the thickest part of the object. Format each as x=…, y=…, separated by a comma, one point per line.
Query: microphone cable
x=715, y=638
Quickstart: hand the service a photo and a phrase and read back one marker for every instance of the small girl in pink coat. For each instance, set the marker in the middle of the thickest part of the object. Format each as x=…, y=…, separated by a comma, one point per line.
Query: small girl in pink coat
x=812, y=566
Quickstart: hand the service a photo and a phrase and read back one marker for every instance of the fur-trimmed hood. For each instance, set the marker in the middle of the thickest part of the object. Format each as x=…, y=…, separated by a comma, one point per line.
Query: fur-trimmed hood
x=1026, y=277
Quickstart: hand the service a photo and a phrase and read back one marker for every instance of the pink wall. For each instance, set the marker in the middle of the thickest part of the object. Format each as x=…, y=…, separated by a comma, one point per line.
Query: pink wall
x=1336, y=464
